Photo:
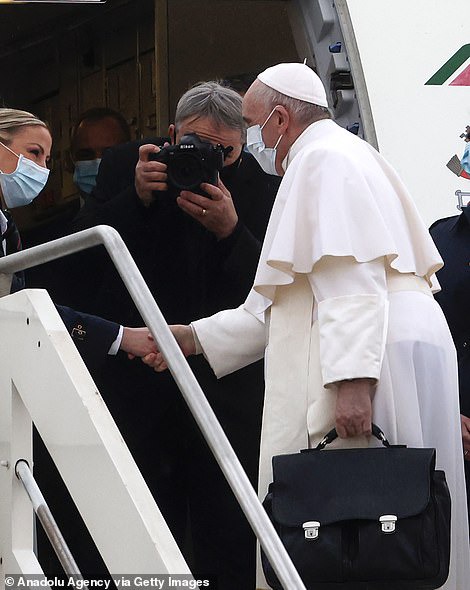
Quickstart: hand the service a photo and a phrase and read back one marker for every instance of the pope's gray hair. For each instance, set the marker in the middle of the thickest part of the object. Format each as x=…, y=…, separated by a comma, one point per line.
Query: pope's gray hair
x=12, y=120
x=216, y=102
x=304, y=113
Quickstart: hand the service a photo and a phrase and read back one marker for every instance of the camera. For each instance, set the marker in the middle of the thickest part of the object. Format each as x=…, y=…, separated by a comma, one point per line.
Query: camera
x=190, y=163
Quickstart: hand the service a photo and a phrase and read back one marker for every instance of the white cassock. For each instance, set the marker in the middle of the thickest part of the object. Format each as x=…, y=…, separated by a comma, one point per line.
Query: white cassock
x=342, y=291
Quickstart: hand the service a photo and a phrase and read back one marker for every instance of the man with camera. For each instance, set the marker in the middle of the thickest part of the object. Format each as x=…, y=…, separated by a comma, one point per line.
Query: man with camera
x=187, y=165
x=197, y=250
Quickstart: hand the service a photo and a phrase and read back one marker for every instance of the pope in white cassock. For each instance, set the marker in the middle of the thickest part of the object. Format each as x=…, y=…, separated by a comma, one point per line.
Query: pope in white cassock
x=341, y=302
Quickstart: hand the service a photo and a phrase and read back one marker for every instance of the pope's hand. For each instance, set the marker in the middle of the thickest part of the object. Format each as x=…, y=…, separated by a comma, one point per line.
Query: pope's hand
x=185, y=338
x=354, y=407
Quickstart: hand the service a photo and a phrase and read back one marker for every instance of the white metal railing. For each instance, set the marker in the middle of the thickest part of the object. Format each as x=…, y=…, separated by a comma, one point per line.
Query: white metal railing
x=182, y=374
x=40, y=507
x=44, y=381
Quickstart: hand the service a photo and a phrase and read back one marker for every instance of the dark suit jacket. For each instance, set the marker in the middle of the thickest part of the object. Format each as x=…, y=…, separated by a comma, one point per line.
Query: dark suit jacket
x=452, y=238
x=93, y=336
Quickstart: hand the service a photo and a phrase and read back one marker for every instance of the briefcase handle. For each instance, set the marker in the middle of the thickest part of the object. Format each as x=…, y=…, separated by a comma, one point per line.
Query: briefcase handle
x=332, y=435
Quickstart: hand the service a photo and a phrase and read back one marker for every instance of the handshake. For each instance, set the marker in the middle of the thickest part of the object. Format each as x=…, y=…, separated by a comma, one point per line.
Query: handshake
x=139, y=342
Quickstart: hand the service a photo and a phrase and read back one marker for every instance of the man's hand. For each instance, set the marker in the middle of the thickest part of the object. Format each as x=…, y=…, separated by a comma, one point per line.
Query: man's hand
x=149, y=176
x=184, y=337
x=217, y=213
x=354, y=407
x=465, y=427
x=137, y=342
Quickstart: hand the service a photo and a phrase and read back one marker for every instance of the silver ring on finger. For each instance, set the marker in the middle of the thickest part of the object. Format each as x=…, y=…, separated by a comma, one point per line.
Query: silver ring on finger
x=203, y=212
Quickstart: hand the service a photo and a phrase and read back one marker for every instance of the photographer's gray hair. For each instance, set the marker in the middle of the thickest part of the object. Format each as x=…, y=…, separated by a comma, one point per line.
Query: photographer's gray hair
x=214, y=101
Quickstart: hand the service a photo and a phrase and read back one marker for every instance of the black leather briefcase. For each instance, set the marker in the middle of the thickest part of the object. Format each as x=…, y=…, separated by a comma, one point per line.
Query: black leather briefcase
x=362, y=519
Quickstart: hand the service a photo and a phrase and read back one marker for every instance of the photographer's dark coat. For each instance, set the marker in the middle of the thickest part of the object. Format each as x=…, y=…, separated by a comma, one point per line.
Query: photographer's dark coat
x=452, y=238
x=191, y=275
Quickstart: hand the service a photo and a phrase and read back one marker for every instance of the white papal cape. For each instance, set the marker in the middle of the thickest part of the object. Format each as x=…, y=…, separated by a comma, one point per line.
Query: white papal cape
x=342, y=291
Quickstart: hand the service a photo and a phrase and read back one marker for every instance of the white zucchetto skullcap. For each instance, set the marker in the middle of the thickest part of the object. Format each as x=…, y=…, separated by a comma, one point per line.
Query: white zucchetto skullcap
x=297, y=81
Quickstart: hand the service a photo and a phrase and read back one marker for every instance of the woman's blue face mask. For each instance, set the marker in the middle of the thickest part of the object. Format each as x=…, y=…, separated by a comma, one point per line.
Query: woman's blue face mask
x=25, y=183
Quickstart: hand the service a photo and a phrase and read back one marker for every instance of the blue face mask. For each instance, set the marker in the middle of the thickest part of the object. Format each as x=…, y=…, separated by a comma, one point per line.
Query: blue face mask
x=85, y=174
x=24, y=184
x=266, y=157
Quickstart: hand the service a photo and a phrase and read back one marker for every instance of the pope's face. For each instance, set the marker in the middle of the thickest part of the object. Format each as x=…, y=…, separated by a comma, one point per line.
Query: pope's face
x=255, y=112
x=207, y=130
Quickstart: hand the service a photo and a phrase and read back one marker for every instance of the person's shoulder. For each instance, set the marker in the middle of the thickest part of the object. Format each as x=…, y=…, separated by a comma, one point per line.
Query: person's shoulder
x=329, y=148
x=444, y=224
x=248, y=163
x=327, y=138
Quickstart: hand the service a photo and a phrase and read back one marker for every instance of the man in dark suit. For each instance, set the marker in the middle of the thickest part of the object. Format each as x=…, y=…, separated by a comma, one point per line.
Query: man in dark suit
x=198, y=254
x=452, y=238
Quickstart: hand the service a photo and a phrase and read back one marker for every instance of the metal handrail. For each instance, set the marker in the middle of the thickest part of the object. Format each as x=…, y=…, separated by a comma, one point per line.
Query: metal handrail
x=23, y=472
x=184, y=377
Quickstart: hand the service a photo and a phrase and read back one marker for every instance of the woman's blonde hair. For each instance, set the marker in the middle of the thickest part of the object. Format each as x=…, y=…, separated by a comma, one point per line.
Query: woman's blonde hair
x=11, y=121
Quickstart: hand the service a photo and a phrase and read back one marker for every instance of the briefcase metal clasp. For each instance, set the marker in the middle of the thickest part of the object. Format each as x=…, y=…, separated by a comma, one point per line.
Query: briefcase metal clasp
x=311, y=528
x=387, y=523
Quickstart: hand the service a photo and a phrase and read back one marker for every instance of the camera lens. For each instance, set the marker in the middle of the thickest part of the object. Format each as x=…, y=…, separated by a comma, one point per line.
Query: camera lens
x=186, y=171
